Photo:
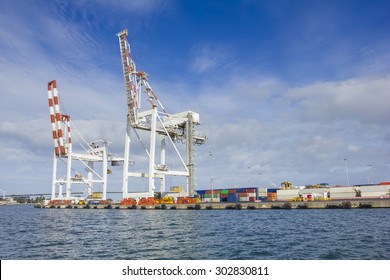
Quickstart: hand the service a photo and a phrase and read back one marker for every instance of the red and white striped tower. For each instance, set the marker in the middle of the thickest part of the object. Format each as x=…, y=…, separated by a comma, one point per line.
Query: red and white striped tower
x=59, y=121
x=52, y=116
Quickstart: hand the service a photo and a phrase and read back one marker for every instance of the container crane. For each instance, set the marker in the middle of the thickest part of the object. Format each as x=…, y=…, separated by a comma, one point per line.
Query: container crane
x=95, y=152
x=157, y=121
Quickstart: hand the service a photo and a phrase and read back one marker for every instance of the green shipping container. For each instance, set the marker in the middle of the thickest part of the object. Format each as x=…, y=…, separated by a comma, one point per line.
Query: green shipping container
x=224, y=191
x=216, y=195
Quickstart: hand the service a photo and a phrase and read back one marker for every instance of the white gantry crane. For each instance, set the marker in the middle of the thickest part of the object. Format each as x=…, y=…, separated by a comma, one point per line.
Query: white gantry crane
x=95, y=152
x=157, y=121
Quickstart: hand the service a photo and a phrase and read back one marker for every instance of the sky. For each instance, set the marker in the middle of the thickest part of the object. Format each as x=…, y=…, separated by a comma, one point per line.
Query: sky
x=286, y=90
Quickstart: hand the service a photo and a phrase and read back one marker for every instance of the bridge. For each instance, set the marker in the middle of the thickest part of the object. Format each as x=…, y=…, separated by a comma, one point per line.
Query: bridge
x=46, y=194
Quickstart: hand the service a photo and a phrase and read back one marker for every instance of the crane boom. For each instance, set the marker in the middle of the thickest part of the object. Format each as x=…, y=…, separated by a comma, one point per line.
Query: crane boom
x=130, y=76
x=137, y=85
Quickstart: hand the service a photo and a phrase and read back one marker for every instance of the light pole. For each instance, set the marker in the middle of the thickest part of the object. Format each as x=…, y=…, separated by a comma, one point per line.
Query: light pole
x=369, y=173
x=211, y=178
x=346, y=170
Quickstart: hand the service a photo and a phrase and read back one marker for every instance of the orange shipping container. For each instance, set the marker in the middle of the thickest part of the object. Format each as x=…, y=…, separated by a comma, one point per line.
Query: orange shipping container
x=250, y=191
x=243, y=195
x=271, y=196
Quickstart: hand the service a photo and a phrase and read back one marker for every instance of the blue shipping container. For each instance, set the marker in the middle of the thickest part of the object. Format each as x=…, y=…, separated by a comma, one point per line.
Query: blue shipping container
x=232, y=197
x=272, y=190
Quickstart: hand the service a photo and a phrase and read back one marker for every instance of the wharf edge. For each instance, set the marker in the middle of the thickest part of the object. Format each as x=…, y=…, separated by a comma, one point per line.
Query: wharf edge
x=328, y=204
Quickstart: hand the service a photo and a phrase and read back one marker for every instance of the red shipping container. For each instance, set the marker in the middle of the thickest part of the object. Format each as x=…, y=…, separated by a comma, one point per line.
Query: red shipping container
x=243, y=195
x=250, y=191
x=252, y=199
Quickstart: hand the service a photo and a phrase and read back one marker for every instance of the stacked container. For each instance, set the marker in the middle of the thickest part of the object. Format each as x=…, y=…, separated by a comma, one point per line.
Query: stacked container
x=224, y=195
x=262, y=194
x=283, y=195
x=247, y=195
x=342, y=193
x=272, y=194
x=232, y=196
x=314, y=193
x=212, y=196
x=374, y=191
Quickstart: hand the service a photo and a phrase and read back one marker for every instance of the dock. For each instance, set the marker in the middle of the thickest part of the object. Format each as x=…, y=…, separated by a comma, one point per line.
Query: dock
x=267, y=205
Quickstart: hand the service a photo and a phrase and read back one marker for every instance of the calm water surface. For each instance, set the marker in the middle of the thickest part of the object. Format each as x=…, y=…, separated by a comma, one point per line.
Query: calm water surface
x=29, y=233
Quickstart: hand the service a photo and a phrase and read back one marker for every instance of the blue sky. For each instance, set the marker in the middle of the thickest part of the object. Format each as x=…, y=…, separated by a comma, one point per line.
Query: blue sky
x=286, y=90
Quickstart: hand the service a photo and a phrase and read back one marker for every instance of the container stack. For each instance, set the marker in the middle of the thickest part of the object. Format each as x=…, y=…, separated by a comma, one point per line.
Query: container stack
x=314, y=193
x=212, y=196
x=224, y=195
x=247, y=195
x=374, y=191
x=342, y=193
x=262, y=194
x=232, y=196
x=272, y=194
x=283, y=195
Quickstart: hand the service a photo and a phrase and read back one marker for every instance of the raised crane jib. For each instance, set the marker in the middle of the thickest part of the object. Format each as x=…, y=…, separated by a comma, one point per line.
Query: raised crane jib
x=130, y=77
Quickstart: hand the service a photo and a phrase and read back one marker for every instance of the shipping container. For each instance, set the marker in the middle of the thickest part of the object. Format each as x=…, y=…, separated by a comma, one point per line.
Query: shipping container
x=232, y=197
x=342, y=190
x=252, y=195
x=209, y=200
x=262, y=192
x=272, y=190
x=375, y=188
x=216, y=195
x=374, y=194
x=288, y=192
x=201, y=192
x=342, y=195
x=271, y=196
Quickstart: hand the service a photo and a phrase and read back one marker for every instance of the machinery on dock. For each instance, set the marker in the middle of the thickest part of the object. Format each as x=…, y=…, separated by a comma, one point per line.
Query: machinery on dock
x=155, y=121
x=285, y=185
x=94, y=153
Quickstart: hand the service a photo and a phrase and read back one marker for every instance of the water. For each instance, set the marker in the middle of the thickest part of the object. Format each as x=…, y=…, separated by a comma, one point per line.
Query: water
x=29, y=233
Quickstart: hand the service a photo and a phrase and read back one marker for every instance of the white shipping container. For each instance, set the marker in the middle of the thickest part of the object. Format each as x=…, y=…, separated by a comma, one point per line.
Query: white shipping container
x=209, y=200
x=378, y=188
x=320, y=191
x=262, y=191
x=243, y=199
x=287, y=192
x=342, y=195
x=342, y=190
x=373, y=194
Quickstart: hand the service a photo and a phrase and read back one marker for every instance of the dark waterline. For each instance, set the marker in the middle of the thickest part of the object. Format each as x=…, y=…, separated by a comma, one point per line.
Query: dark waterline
x=29, y=233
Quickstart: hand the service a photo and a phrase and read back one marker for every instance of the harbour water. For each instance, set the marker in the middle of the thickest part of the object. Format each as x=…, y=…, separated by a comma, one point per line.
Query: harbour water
x=312, y=234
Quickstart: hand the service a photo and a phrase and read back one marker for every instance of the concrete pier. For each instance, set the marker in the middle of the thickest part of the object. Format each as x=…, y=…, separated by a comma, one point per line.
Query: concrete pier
x=325, y=204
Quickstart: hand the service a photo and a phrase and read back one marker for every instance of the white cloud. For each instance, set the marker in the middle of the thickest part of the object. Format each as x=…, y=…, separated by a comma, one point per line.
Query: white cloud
x=361, y=99
x=208, y=56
